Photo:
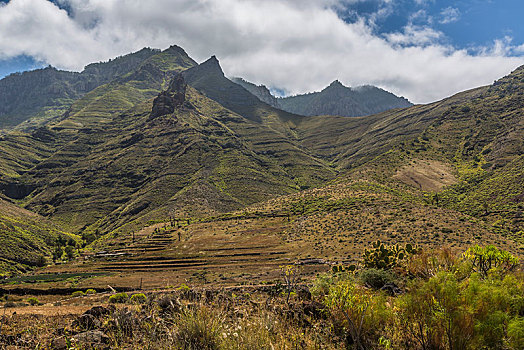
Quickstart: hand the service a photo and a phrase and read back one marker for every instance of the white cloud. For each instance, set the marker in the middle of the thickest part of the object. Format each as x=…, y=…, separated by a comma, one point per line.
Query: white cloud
x=298, y=45
x=415, y=35
x=449, y=15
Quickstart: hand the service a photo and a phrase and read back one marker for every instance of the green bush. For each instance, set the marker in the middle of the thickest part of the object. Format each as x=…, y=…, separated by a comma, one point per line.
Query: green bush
x=515, y=338
x=490, y=258
x=321, y=284
x=77, y=294
x=90, y=292
x=470, y=313
x=376, y=278
x=119, y=298
x=139, y=298
x=33, y=301
x=358, y=312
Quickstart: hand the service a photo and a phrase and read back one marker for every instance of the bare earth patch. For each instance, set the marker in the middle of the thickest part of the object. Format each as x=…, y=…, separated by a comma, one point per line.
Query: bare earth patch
x=427, y=175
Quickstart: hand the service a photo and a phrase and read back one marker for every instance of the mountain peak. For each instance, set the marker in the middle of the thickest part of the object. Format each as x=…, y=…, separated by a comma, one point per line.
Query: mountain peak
x=212, y=65
x=175, y=49
x=335, y=85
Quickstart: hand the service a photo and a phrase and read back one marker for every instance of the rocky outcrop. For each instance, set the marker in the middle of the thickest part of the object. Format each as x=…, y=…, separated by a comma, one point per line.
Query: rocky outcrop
x=172, y=98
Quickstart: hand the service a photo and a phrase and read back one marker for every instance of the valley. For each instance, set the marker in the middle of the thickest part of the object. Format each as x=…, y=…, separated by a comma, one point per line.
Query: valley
x=169, y=179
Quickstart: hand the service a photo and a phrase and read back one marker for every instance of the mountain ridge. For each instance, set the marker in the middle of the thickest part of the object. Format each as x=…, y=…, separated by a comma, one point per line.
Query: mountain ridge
x=48, y=92
x=334, y=99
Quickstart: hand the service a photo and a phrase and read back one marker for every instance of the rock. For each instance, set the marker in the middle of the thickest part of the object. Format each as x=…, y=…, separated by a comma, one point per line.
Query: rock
x=303, y=293
x=162, y=105
x=86, y=322
x=168, y=100
x=59, y=344
x=169, y=305
x=95, y=339
x=392, y=289
x=314, y=309
x=177, y=88
x=99, y=311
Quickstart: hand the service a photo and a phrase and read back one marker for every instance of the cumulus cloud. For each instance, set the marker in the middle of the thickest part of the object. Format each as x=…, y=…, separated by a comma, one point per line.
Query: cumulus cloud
x=296, y=45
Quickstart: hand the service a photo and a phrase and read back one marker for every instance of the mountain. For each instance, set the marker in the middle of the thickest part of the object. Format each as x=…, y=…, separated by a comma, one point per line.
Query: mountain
x=128, y=152
x=260, y=91
x=336, y=99
x=48, y=92
x=173, y=138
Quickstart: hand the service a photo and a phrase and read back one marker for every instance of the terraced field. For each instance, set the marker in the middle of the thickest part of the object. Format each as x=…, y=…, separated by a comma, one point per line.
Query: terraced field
x=314, y=229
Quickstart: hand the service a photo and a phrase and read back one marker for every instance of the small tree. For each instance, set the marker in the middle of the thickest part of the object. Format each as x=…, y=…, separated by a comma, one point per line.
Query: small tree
x=41, y=260
x=57, y=253
x=290, y=275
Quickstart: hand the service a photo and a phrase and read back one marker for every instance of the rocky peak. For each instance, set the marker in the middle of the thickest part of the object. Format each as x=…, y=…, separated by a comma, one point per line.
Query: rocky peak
x=336, y=85
x=212, y=66
x=173, y=97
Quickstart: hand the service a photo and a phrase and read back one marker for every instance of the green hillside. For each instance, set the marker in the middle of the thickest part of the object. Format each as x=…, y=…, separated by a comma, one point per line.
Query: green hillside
x=32, y=97
x=26, y=239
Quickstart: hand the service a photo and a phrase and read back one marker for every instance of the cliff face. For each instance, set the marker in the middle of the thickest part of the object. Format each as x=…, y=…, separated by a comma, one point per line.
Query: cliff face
x=173, y=97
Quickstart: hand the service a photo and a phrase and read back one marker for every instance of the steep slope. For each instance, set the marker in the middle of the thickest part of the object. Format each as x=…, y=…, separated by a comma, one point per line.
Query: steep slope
x=163, y=158
x=146, y=81
x=337, y=99
x=26, y=239
x=48, y=92
x=209, y=79
x=260, y=91
x=146, y=147
x=22, y=151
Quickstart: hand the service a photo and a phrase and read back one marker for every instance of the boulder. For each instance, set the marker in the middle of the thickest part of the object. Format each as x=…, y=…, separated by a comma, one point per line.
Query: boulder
x=95, y=339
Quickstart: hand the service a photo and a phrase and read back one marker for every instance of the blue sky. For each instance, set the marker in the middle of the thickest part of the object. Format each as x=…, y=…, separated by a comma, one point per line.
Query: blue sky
x=465, y=23
x=400, y=45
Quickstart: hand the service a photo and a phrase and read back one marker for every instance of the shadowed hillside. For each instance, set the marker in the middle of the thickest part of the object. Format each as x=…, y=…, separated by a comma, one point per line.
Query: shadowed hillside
x=336, y=99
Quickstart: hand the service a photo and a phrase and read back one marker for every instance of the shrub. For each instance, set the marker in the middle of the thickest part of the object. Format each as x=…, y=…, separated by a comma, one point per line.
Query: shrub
x=90, y=292
x=490, y=257
x=346, y=299
x=321, y=284
x=465, y=313
x=77, y=294
x=376, y=278
x=516, y=333
x=9, y=304
x=33, y=301
x=139, y=298
x=198, y=330
x=118, y=298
